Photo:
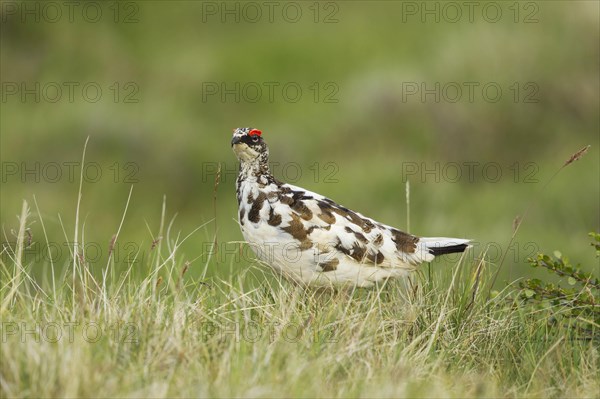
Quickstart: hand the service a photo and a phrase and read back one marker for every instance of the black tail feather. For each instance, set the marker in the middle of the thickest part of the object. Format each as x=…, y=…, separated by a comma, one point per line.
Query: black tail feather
x=447, y=250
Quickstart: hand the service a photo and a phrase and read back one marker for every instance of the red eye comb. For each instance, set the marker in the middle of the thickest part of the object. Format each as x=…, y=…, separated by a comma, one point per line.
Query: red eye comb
x=254, y=132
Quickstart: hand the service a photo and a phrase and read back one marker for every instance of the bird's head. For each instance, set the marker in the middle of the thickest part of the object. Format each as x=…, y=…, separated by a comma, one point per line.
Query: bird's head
x=249, y=146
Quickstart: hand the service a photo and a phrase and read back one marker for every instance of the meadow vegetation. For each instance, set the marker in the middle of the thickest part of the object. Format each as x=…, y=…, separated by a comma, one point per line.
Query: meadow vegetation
x=122, y=273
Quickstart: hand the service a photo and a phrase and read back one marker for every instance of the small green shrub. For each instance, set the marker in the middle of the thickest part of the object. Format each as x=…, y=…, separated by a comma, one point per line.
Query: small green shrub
x=579, y=300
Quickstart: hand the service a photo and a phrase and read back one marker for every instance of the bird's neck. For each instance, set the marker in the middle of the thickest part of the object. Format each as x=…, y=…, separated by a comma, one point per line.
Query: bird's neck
x=255, y=171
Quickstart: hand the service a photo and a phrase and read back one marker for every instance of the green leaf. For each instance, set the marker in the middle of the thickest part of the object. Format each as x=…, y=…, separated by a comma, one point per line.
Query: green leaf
x=529, y=293
x=571, y=281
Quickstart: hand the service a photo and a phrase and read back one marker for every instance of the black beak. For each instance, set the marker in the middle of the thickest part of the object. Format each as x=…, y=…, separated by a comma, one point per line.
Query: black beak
x=236, y=140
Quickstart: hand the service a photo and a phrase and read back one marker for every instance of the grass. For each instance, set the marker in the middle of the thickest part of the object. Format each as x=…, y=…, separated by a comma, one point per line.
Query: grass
x=156, y=331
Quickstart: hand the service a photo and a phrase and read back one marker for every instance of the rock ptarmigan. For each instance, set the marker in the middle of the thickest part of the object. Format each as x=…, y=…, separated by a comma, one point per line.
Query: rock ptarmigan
x=311, y=239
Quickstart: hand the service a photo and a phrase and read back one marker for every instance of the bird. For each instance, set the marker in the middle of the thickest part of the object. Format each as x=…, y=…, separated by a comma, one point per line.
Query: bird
x=314, y=241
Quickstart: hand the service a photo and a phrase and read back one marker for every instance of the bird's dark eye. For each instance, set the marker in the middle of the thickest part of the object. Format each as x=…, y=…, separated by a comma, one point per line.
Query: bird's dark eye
x=254, y=139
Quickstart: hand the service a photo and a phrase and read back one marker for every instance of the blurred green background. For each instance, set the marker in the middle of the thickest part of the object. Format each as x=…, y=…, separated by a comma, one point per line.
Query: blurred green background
x=378, y=105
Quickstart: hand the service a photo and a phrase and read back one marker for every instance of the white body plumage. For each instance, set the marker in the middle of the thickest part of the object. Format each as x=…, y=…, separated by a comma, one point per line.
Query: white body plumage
x=312, y=240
